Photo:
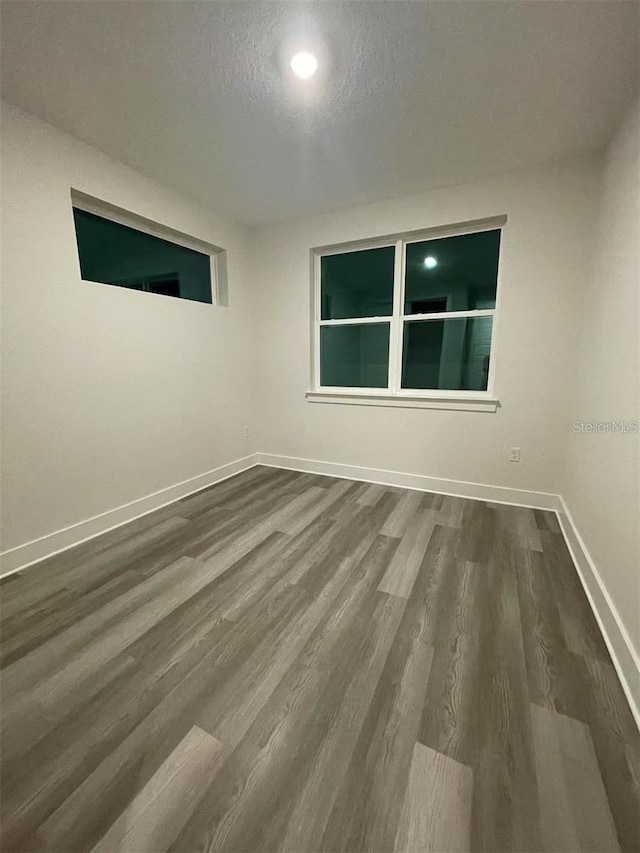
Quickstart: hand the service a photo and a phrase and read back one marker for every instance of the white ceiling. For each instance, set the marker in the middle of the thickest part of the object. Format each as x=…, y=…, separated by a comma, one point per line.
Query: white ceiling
x=411, y=95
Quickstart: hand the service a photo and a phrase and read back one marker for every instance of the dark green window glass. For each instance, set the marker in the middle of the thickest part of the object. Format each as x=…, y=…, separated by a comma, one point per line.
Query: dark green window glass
x=447, y=354
x=355, y=356
x=452, y=273
x=116, y=254
x=357, y=284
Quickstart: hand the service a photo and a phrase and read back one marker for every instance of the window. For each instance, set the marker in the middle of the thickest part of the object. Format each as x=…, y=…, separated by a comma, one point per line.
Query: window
x=409, y=320
x=128, y=251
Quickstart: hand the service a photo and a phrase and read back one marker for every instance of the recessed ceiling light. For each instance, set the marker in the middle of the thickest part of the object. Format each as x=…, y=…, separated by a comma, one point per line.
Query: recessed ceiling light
x=430, y=262
x=304, y=64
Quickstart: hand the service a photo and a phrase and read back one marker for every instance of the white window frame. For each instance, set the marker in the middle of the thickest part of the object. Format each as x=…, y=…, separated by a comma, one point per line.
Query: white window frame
x=217, y=255
x=394, y=394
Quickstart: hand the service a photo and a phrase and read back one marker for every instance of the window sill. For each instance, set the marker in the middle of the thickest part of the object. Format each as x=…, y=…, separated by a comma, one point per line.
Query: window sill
x=473, y=402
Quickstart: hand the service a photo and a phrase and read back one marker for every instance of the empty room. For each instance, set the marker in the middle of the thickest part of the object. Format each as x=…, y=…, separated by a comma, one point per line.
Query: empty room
x=320, y=448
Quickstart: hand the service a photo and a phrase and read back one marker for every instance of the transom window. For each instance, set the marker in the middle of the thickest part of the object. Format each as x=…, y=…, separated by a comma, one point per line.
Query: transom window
x=126, y=250
x=413, y=316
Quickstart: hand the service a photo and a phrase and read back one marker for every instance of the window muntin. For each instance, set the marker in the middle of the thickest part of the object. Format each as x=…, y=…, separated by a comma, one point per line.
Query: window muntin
x=441, y=323
x=117, y=254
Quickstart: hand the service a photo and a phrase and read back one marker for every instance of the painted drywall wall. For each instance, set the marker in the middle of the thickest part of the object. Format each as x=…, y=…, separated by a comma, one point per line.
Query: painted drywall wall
x=545, y=261
x=108, y=394
x=602, y=475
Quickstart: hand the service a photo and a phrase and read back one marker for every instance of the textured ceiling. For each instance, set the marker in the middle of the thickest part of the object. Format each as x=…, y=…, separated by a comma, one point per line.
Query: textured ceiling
x=410, y=95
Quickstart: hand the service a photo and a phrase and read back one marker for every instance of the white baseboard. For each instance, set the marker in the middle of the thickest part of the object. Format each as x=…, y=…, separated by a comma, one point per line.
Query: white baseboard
x=624, y=656
x=419, y=482
x=15, y=559
x=22, y=556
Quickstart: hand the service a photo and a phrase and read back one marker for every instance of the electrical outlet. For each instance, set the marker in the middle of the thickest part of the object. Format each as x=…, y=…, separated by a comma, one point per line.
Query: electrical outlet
x=245, y=432
x=514, y=454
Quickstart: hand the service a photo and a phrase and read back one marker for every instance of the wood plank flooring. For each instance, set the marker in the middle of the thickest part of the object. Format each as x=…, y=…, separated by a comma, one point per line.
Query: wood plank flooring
x=290, y=662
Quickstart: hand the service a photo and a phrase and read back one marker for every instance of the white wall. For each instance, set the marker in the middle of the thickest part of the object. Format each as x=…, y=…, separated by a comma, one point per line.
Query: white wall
x=601, y=483
x=108, y=394
x=545, y=264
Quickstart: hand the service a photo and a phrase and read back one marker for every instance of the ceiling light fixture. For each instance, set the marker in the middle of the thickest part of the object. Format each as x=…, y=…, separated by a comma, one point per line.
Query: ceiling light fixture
x=430, y=262
x=304, y=64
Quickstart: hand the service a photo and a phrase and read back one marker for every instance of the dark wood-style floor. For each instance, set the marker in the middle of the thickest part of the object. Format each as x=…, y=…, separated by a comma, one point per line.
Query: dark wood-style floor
x=293, y=662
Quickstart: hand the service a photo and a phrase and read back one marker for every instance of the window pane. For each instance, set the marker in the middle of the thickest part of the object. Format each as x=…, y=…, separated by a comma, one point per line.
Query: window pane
x=355, y=356
x=357, y=284
x=447, y=354
x=116, y=254
x=452, y=274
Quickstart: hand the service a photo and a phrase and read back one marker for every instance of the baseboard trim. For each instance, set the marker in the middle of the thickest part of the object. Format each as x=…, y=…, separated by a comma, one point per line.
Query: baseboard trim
x=624, y=656
x=419, y=482
x=22, y=556
x=15, y=559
